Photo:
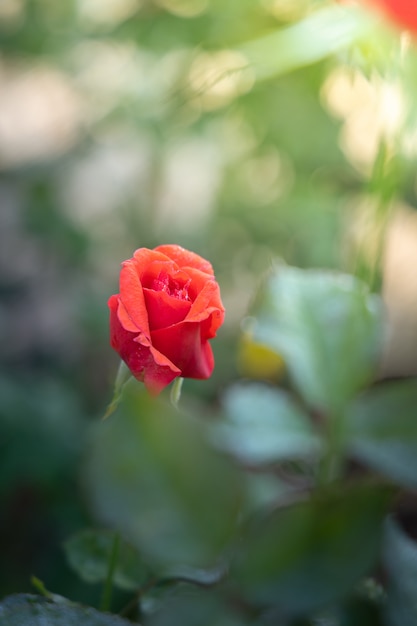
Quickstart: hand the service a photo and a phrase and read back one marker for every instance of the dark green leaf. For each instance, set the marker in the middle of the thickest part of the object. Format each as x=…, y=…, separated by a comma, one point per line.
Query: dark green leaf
x=400, y=560
x=30, y=610
x=383, y=433
x=188, y=606
x=303, y=557
x=327, y=327
x=89, y=551
x=152, y=476
x=264, y=425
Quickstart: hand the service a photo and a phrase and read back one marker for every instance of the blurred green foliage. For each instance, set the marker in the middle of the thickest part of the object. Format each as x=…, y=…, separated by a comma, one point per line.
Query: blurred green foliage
x=246, y=130
x=89, y=551
x=186, y=497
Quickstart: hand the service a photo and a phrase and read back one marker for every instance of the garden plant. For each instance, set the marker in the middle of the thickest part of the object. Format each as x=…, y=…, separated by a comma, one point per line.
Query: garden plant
x=256, y=461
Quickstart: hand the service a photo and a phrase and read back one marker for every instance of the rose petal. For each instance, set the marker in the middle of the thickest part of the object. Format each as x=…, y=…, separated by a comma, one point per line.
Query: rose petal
x=185, y=258
x=208, y=302
x=144, y=259
x=184, y=346
x=144, y=361
x=155, y=269
x=159, y=372
x=131, y=294
x=210, y=326
x=164, y=310
x=198, y=281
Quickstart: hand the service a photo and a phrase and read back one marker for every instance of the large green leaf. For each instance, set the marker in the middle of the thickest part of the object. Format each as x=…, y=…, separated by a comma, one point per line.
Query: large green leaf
x=305, y=556
x=264, y=425
x=400, y=561
x=382, y=430
x=30, y=610
x=89, y=552
x=151, y=475
x=327, y=327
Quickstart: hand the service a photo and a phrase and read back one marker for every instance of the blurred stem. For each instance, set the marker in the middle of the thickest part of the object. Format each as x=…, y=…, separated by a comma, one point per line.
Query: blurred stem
x=176, y=391
x=108, y=584
x=382, y=187
x=132, y=610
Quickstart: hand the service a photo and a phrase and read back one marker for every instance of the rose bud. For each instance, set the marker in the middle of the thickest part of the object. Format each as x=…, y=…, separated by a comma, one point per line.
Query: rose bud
x=168, y=309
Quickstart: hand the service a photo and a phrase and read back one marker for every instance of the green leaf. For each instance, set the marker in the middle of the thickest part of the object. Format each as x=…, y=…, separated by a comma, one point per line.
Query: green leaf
x=400, y=561
x=88, y=552
x=151, y=475
x=319, y=35
x=303, y=557
x=264, y=425
x=31, y=610
x=188, y=606
x=328, y=329
x=383, y=432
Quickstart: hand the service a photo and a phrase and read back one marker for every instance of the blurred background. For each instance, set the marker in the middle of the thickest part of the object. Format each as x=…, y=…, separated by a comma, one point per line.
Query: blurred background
x=245, y=130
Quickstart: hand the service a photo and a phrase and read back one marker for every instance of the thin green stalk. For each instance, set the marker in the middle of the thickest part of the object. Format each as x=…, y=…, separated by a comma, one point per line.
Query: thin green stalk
x=108, y=584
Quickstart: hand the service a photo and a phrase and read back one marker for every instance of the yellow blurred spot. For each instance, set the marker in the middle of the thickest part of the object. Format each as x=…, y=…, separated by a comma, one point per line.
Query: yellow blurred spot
x=258, y=361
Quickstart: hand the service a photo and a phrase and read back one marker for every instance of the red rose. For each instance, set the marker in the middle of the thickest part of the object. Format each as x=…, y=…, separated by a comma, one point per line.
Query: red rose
x=403, y=12
x=168, y=307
